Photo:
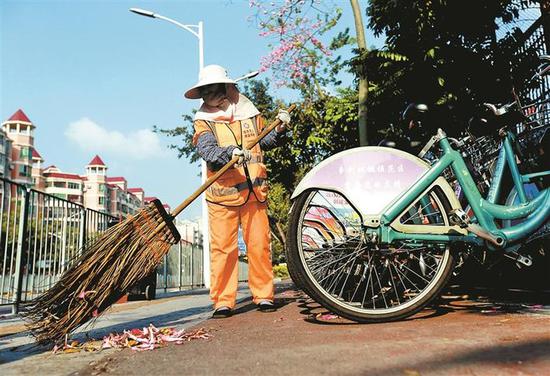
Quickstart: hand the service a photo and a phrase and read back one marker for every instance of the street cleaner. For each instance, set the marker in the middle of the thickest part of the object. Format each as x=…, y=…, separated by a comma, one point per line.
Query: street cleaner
x=225, y=122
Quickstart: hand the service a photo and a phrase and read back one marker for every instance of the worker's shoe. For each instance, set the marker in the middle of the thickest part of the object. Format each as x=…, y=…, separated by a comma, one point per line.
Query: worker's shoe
x=222, y=313
x=266, y=306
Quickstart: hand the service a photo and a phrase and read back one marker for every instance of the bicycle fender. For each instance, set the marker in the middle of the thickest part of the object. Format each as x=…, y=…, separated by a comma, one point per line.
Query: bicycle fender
x=370, y=177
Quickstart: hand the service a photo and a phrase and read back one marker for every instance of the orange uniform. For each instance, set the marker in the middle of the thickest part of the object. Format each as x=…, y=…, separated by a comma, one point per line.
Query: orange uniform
x=238, y=198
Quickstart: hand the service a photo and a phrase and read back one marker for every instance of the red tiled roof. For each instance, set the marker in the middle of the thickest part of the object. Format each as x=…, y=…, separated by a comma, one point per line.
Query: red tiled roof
x=19, y=116
x=96, y=162
x=36, y=154
x=62, y=175
x=116, y=178
x=134, y=190
x=149, y=199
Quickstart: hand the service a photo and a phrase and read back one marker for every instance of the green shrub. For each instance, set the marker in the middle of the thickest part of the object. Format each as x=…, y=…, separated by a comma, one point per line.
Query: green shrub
x=280, y=271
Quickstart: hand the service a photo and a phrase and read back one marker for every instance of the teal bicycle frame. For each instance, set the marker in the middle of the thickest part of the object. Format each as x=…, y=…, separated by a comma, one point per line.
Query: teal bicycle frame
x=535, y=212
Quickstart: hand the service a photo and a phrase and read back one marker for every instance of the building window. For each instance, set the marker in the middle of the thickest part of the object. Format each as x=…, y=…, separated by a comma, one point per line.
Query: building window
x=73, y=185
x=102, y=188
x=101, y=200
x=24, y=170
x=25, y=152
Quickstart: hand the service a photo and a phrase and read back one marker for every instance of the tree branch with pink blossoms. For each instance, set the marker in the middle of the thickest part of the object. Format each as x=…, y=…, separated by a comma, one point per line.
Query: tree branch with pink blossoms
x=295, y=29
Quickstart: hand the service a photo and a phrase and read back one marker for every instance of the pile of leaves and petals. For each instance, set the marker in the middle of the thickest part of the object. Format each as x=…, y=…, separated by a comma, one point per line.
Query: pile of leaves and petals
x=326, y=316
x=148, y=338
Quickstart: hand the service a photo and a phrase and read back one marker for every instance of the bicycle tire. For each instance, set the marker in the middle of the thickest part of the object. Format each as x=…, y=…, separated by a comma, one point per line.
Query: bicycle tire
x=304, y=278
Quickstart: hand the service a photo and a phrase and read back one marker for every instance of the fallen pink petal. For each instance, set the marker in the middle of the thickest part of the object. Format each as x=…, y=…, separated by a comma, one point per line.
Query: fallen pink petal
x=326, y=316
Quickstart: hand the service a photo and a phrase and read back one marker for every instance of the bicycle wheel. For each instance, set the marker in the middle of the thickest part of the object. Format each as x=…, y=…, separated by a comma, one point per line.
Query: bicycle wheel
x=358, y=280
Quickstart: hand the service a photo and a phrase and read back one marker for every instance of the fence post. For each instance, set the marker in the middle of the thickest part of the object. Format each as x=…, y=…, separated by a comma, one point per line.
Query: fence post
x=165, y=271
x=82, y=231
x=180, y=264
x=21, y=244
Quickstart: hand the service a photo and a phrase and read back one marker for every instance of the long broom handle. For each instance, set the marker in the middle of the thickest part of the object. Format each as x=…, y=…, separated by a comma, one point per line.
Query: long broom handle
x=227, y=166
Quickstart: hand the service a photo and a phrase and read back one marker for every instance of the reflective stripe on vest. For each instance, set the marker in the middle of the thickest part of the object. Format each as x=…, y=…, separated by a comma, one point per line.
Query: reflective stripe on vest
x=226, y=191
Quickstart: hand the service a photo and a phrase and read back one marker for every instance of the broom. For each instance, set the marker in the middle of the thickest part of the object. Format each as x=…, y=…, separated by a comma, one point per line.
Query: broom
x=112, y=264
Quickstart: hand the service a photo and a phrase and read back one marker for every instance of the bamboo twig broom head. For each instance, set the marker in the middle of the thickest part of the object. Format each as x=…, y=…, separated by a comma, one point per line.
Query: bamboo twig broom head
x=110, y=265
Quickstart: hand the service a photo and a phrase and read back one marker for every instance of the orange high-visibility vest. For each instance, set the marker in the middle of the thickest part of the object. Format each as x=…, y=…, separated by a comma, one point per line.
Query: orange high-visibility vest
x=236, y=185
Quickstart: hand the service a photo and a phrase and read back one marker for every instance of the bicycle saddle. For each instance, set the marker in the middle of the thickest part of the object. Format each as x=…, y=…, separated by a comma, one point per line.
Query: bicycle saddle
x=415, y=111
x=489, y=118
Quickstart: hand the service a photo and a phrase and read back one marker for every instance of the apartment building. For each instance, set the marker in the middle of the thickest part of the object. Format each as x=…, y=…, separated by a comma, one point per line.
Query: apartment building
x=5, y=153
x=38, y=179
x=123, y=200
x=22, y=163
x=20, y=130
x=147, y=200
x=63, y=185
x=189, y=230
x=96, y=193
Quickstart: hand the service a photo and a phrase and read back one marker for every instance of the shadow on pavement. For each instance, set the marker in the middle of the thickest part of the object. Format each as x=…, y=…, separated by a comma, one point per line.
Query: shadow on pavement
x=501, y=354
x=481, y=301
x=495, y=301
x=285, y=293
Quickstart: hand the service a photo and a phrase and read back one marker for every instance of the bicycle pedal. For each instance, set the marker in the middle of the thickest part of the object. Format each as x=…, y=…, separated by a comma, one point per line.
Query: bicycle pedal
x=520, y=260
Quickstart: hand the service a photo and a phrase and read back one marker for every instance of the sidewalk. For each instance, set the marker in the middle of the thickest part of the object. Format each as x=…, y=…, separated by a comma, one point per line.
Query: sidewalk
x=467, y=335
x=19, y=355
x=472, y=332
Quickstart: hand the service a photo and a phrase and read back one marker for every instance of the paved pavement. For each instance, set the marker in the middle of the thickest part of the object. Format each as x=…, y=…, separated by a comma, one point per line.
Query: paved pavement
x=181, y=310
x=472, y=332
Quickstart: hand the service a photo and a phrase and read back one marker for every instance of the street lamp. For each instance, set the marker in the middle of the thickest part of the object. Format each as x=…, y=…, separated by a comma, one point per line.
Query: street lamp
x=197, y=31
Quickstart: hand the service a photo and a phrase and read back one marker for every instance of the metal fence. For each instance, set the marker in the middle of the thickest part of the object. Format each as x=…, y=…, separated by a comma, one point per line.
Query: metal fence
x=534, y=43
x=41, y=235
x=183, y=268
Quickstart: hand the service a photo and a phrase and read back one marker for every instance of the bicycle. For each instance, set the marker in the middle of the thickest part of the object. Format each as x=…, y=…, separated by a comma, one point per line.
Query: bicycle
x=374, y=231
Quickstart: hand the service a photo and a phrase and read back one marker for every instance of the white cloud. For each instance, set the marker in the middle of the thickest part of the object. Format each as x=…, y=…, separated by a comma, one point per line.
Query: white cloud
x=92, y=137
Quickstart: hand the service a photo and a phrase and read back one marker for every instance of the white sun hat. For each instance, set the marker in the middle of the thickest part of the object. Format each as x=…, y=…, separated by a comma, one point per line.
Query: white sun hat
x=211, y=74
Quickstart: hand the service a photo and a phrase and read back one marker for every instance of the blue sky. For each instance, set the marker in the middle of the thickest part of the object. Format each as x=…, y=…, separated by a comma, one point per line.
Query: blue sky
x=94, y=78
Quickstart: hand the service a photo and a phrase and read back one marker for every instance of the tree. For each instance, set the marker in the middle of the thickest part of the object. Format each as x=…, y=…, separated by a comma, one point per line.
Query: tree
x=442, y=52
x=299, y=59
x=361, y=74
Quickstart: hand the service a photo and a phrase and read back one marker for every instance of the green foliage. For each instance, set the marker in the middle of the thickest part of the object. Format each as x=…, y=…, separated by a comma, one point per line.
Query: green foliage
x=437, y=52
x=280, y=271
x=442, y=52
x=278, y=207
x=184, y=135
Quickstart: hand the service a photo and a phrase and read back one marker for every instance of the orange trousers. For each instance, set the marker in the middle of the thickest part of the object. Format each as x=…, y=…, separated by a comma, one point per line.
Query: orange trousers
x=224, y=226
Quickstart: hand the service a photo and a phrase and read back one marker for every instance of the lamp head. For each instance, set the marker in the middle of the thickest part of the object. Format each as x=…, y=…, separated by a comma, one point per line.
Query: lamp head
x=143, y=12
x=247, y=76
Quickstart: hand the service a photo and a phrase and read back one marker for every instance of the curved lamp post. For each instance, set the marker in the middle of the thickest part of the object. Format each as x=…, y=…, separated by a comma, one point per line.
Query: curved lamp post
x=197, y=31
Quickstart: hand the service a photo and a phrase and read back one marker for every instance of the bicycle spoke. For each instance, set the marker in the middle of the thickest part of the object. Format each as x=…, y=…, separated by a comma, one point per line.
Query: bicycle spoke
x=361, y=276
